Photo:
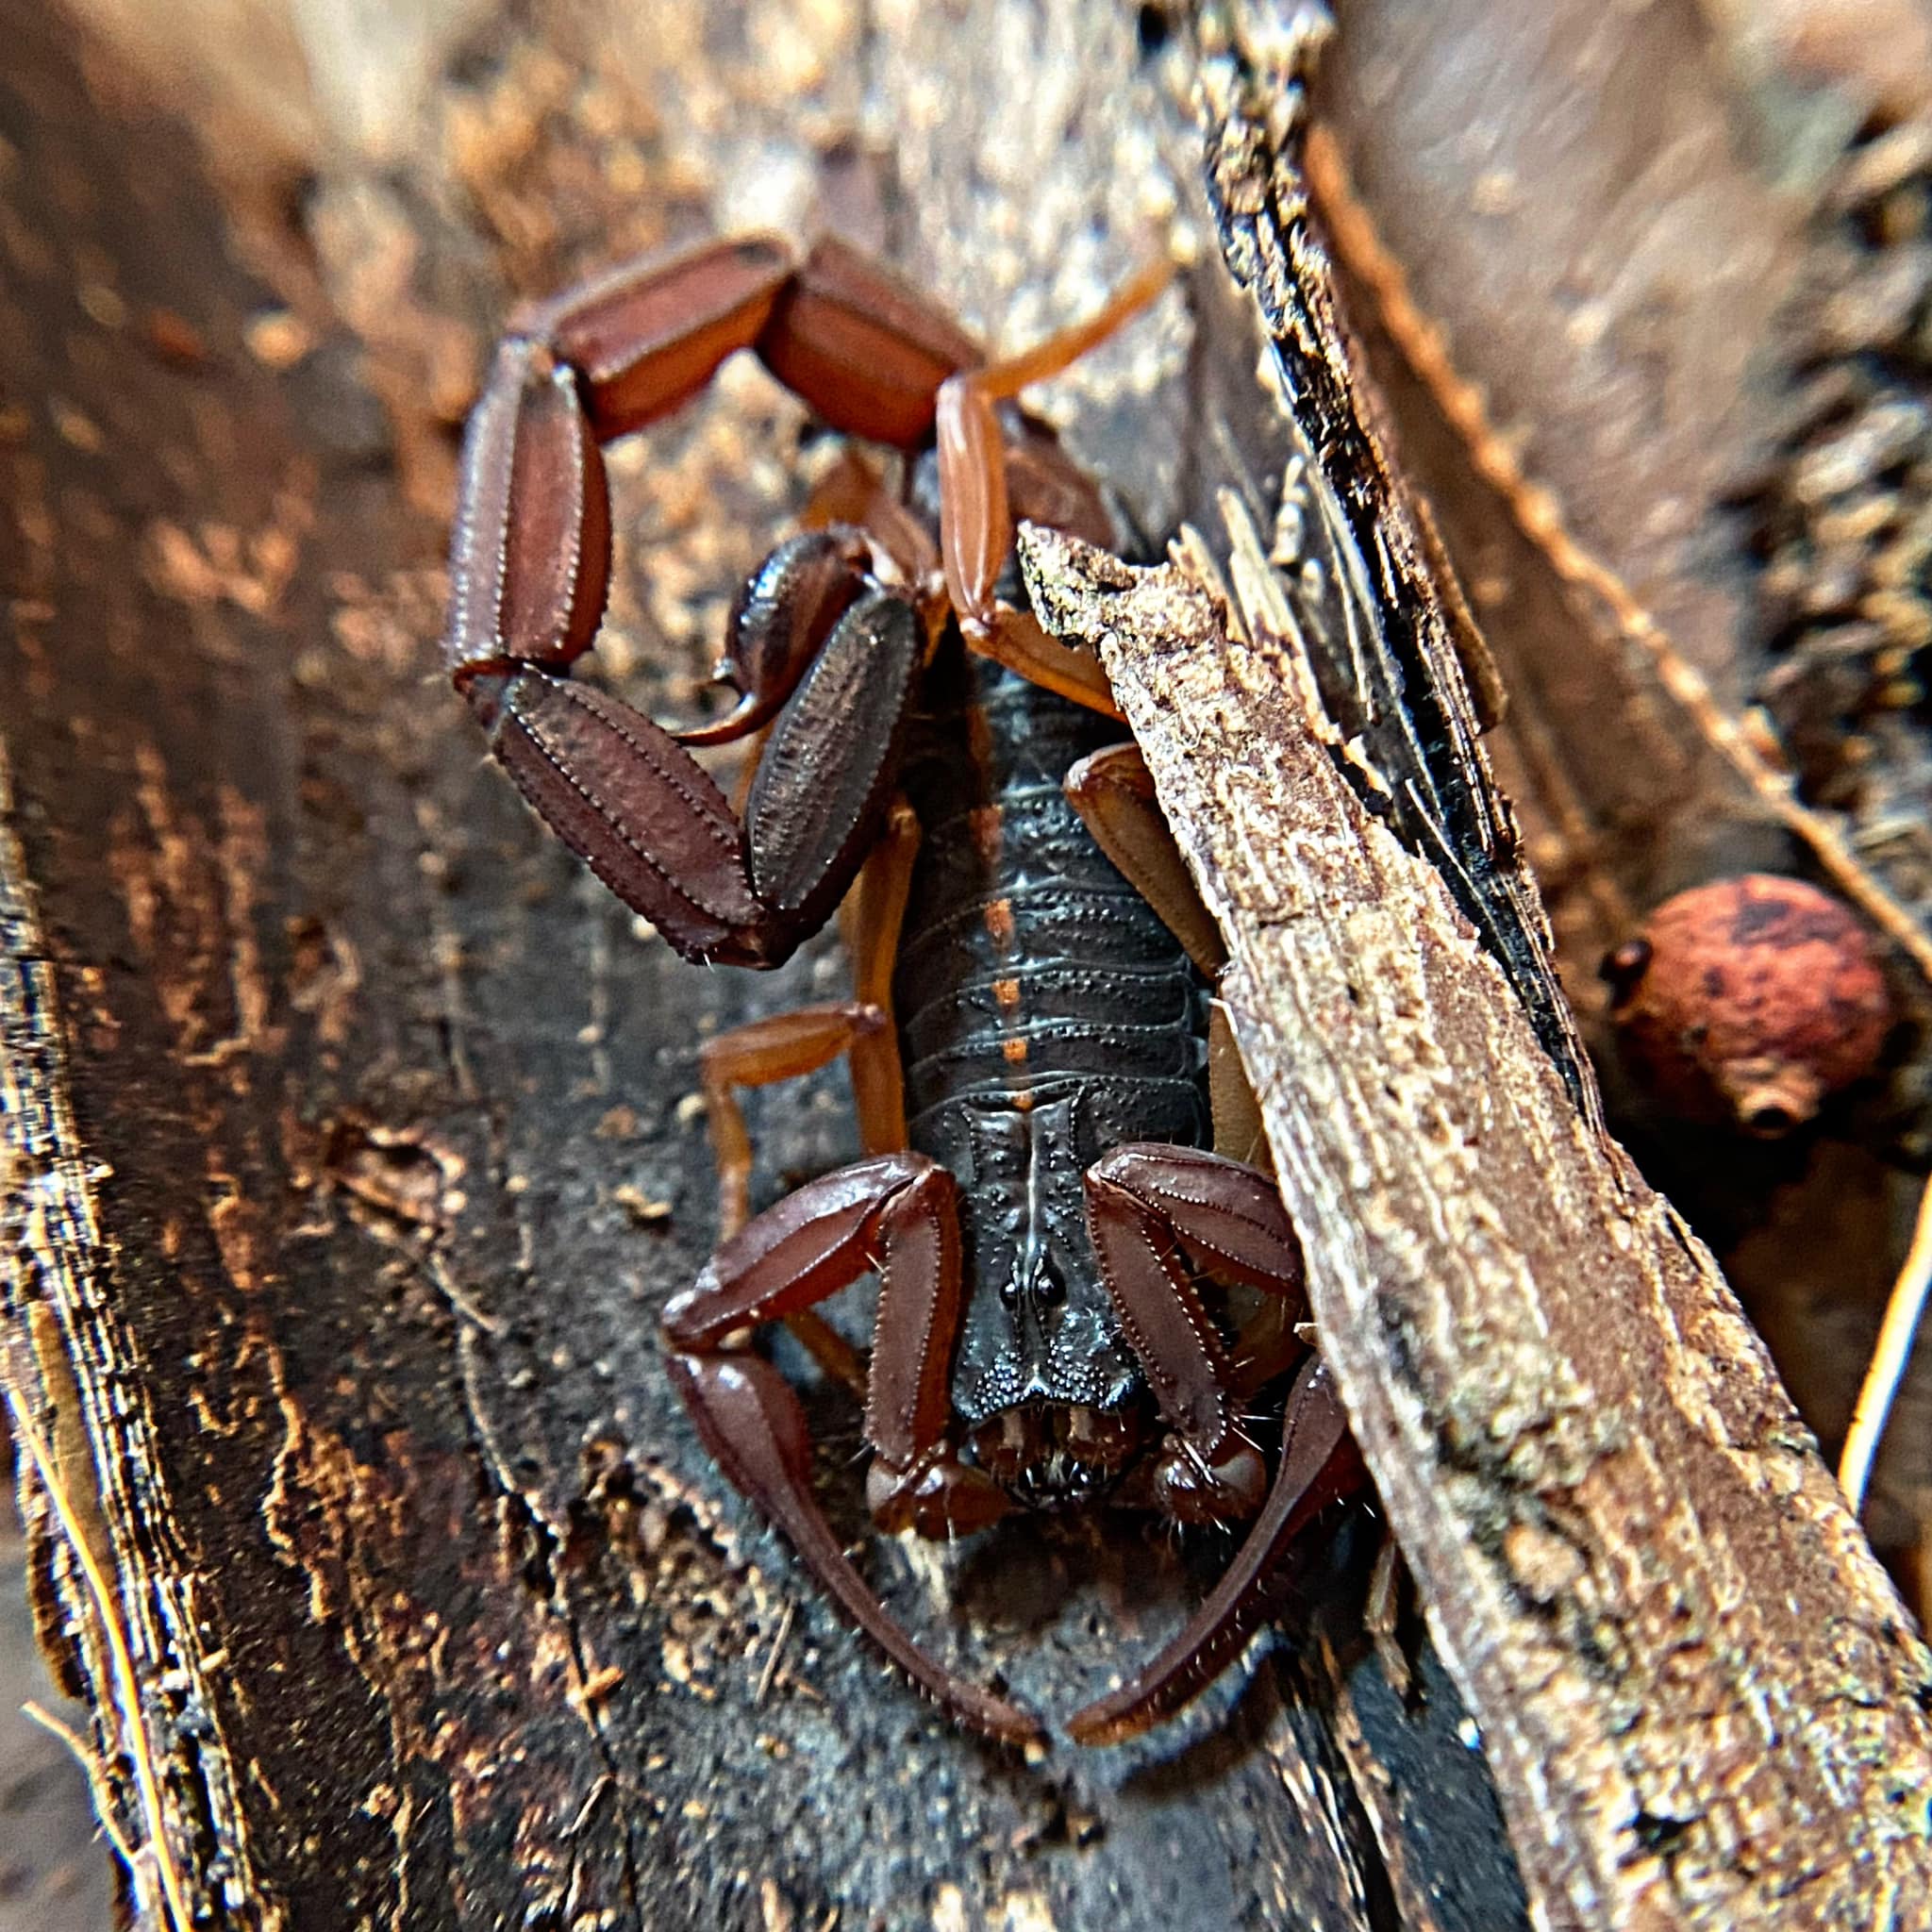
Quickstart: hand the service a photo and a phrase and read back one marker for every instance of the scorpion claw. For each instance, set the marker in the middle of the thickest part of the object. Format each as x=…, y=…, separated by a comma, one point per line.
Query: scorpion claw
x=751, y=1422
x=943, y=1499
x=628, y=802
x=779, y=623
x=1319, y=1464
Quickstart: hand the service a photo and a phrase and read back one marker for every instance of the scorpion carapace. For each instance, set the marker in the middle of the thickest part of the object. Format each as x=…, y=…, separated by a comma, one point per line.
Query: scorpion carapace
x=1027, y=1033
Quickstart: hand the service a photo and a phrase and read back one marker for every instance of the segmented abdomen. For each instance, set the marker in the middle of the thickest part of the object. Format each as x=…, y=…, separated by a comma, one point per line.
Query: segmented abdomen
x=1029, y=968
x=1045, y=1015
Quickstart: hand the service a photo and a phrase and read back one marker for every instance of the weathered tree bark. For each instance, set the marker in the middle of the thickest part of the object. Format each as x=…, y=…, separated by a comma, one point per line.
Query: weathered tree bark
x=1610, y=238
x=1702, y=1698
x=348, y=1152
x=1704, y=1702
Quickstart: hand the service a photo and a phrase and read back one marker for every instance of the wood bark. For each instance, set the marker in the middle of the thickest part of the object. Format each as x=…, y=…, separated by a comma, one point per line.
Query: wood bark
x=1703, y=1700
x=347, y=1131
x=1626, y=256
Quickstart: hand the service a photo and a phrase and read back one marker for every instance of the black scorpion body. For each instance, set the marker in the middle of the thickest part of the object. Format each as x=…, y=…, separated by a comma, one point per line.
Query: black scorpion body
x=1046, y=1016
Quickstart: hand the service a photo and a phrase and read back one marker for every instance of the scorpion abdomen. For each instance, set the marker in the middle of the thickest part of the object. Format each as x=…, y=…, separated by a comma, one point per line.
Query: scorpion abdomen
x=1046, y=1015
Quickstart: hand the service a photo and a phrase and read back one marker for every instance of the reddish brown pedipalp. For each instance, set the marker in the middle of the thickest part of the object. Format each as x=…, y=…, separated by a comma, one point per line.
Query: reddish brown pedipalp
x=818, y=646
x=1319, y=1465
x=530, y=568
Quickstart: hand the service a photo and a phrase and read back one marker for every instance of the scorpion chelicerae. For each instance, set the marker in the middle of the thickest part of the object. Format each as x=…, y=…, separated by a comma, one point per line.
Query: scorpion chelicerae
x=1028, y=1037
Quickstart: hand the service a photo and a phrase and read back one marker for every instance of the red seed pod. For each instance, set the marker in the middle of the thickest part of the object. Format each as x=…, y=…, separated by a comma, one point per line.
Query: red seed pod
x=1749, y=1000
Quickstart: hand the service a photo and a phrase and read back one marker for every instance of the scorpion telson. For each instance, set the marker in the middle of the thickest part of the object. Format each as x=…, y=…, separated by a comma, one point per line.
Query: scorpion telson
x=1029, y=1032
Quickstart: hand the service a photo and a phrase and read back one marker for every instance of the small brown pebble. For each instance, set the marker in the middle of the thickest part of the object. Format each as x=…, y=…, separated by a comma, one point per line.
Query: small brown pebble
x=1759, y=997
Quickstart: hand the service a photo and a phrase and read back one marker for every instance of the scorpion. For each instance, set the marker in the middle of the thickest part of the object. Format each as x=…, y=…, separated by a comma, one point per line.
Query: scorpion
x=1052, y=1234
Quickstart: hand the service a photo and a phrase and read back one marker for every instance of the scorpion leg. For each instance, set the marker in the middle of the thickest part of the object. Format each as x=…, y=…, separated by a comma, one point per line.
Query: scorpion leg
x=1014, y=638
x=782, y=1046
x=1319, y=1466
x=1113, y=791
x=807, y=1247
x=1239, y=1130
x=1382, y=1615
x=975, y=524
x=788, y=1044
x=872, y=916
x=975, y=515
x=1146, y=1204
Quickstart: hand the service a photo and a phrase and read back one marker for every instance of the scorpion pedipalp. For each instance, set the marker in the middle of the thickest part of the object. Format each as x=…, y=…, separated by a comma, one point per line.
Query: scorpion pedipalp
x=1319, y=1464
x=779, y=621
x=819, y=645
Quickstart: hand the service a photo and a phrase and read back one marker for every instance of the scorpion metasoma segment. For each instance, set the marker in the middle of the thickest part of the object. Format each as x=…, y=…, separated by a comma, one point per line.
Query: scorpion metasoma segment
x=1056, y=1248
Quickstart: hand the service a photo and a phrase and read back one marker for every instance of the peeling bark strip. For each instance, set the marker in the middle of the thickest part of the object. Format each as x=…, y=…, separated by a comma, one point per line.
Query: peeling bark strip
x=1377, y=605
x=84, y=1483
x=1702, y=1703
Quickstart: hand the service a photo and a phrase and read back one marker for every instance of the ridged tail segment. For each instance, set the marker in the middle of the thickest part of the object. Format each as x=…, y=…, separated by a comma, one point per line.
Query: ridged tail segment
x=1030, y=972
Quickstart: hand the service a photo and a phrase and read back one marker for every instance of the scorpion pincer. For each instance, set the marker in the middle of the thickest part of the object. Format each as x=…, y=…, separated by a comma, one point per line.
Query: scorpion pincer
x=1052, y=1235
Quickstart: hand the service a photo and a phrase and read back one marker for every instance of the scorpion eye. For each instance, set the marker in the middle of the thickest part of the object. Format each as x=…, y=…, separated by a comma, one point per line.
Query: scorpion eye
x=1044, y=1288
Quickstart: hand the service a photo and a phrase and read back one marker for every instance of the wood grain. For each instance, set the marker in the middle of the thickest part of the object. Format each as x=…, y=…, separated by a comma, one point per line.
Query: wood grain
x=1705, y=1706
